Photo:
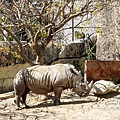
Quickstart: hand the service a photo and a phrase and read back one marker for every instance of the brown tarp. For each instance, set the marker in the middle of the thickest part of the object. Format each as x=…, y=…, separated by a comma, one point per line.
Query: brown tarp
x=102, y=70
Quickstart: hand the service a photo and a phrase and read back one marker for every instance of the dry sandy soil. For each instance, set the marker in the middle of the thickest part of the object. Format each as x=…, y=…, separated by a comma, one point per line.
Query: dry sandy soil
x=106, y=107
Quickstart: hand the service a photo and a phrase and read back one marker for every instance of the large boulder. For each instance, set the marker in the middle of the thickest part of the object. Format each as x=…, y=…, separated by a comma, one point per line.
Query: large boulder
x=74, y=49
x=51, y=53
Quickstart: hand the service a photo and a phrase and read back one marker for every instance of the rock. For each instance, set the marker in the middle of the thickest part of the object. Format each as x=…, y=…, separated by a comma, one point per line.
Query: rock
x=73, y=50
x=51, y=53
x=7, y=95
x=104, y=87
x=73, y=53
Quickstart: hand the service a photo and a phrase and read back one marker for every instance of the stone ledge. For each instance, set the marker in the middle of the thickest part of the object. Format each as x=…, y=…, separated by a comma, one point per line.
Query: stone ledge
x=7, y=95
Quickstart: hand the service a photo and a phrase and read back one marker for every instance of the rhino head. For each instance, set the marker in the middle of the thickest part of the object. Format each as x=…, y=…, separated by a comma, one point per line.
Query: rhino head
x=83, y=88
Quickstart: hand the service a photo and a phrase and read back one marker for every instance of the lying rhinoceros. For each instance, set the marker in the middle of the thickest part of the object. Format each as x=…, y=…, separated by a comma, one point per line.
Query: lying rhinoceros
x=102, y=87
x=45, y=79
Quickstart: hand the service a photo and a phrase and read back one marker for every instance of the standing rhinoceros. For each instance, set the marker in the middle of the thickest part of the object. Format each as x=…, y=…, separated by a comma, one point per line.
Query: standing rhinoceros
x=45, y=79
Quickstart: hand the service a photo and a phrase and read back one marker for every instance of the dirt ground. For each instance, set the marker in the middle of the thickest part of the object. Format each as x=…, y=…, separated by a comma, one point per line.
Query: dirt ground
x=72, y=107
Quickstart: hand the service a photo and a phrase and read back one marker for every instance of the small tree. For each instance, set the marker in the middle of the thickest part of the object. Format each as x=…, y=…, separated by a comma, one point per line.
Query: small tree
x=41, y=20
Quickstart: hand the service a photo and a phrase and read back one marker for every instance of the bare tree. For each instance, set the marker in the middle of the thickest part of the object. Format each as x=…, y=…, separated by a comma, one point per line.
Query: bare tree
x=41, y=19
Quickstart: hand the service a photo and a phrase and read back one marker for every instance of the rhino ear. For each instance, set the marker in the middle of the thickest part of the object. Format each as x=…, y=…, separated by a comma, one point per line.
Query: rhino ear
x=86, y=82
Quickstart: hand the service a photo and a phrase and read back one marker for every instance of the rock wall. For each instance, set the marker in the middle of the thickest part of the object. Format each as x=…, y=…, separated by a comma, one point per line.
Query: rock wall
x=51, y=53
x=108, y=42
x=73, y=53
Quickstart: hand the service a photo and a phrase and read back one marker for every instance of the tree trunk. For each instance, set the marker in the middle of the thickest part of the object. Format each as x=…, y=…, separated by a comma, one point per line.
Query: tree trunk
x=40, y=50
x=40, y=56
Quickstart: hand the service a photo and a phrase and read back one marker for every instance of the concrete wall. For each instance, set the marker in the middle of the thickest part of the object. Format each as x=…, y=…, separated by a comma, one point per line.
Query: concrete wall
x=102, y=70
x=6, y=76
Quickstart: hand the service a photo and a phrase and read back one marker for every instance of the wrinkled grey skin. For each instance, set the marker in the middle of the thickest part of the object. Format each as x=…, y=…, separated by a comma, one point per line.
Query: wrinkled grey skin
x=85, y=88
x=46, y=79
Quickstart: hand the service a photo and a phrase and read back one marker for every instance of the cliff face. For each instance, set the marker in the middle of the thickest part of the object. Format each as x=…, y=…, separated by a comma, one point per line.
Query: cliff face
x=108, y=42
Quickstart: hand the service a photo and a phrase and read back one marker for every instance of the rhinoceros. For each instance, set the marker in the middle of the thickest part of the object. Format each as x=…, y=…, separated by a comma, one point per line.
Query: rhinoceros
x=102, y=87
x=45, y=79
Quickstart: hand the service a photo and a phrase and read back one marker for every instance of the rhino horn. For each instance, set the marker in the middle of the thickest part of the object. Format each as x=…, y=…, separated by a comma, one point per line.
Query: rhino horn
x=90, y=85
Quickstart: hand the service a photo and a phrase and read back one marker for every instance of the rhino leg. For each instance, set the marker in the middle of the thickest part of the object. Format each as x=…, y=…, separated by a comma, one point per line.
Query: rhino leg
x=17, y=101
x=24, y=97
x=19, y=89
x=57, y=91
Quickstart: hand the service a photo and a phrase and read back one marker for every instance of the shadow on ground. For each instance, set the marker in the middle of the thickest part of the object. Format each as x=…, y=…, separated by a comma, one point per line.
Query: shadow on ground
x=45, y=104
x=107, y=96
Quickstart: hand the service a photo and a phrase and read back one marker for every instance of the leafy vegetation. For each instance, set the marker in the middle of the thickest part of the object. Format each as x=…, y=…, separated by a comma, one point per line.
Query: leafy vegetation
x=90, y=53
